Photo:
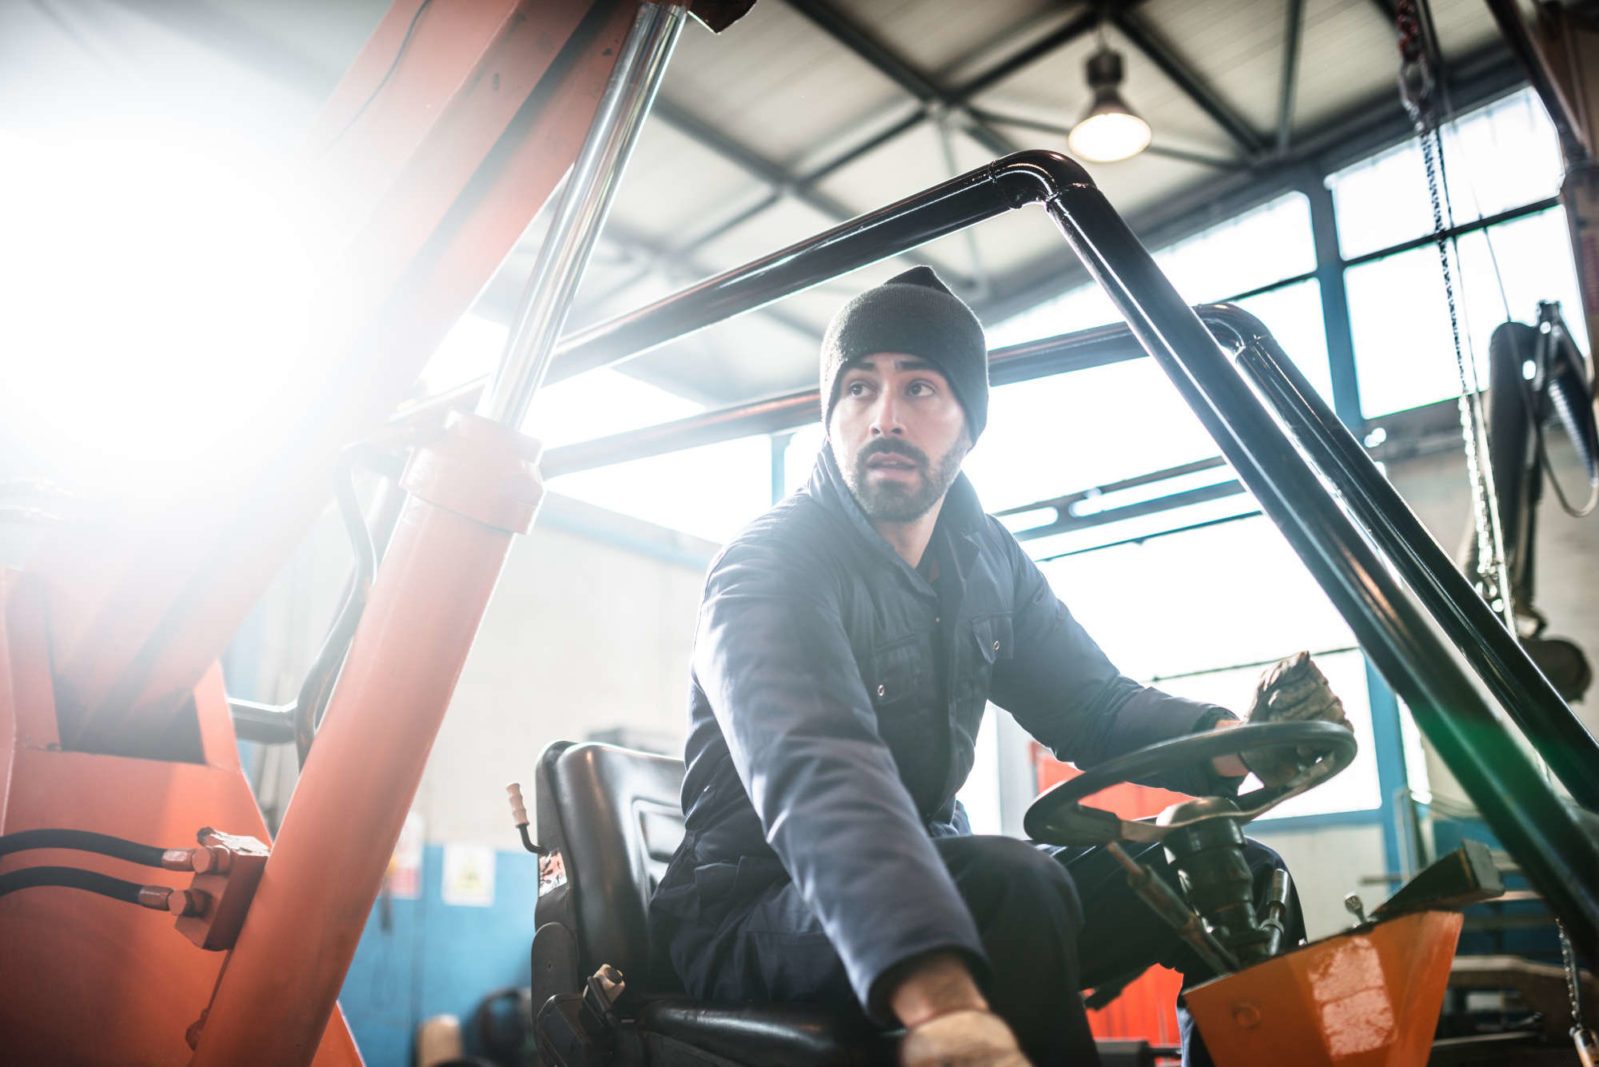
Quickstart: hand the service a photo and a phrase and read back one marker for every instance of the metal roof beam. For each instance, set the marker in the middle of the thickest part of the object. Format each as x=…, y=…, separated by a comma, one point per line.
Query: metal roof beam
x=1292, y=39
x=1046, y=45
x=857, y=39
x=780, y=179
x=1193, y=86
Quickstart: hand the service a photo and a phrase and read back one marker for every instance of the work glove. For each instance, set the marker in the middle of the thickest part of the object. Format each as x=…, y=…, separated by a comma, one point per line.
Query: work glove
x=968, y=1038
x=1292, y=690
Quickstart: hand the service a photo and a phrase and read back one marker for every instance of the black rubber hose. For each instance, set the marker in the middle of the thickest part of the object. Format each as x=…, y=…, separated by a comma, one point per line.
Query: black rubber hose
x=317, y=688
x=70, y=878
x=82, y=841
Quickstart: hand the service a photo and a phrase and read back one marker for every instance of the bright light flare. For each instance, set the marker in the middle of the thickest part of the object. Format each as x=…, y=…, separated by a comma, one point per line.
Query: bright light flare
x=155, y=307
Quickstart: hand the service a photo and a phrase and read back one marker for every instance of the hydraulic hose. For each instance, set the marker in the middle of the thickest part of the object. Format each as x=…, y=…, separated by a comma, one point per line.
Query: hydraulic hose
x=83, y=841
x=77, y=878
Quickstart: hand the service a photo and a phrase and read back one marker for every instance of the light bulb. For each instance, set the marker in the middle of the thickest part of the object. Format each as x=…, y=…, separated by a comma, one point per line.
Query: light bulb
x=1108, y=135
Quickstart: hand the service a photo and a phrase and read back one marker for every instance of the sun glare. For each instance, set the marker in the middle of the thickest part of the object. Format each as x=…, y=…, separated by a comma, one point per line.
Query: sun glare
x=156, y=292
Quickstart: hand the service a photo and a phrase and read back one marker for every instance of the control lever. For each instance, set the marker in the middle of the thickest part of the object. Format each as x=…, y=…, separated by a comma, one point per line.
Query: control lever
x=1276, y=910
x=1164, y=901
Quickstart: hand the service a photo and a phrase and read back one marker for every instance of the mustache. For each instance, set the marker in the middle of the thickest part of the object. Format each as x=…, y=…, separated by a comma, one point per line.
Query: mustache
x=888, y=446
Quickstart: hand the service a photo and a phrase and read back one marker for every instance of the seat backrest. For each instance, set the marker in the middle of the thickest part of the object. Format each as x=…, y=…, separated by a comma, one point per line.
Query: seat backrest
x=621, y=819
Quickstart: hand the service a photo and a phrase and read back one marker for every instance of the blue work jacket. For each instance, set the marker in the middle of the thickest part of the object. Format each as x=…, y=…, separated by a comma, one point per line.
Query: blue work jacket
x=835, y=700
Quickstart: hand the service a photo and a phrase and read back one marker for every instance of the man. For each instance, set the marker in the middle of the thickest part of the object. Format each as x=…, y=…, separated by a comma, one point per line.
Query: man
x=847, y=645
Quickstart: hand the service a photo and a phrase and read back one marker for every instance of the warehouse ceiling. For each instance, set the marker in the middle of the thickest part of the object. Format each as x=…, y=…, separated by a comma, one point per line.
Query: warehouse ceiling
x=808, y=112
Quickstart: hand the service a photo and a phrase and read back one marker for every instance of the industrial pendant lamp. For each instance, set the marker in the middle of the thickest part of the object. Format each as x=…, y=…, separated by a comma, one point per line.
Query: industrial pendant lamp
x=1109, y=130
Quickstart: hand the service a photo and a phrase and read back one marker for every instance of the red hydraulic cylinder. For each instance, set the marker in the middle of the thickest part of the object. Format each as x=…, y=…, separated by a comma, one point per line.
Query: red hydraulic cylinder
x=471, y=493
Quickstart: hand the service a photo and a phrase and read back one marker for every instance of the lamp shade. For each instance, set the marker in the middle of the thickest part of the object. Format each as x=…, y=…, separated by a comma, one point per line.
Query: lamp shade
x=1109, y=130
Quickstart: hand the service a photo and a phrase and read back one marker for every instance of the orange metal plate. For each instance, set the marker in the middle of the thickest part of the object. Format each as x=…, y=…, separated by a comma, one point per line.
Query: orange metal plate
x=83, y=979
x=1364, y=999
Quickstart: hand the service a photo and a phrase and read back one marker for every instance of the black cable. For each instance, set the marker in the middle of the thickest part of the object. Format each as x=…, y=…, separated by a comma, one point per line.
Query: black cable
x=405, y=42
x=1567, y=391
x=82, y=841
x=317, y=689
x=71, y=878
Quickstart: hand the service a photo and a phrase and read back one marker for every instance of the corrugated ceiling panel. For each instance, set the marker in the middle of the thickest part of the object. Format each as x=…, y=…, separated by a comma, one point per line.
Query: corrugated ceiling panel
x=1234, y=46
x=775, y=82
x=935, y=35
x=1347, y=56
x=1463, y=26
x=673, y=183
x=781, y=225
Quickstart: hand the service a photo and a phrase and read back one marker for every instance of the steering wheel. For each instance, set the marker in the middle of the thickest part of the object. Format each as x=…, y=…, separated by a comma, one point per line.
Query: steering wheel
x=1059, y=817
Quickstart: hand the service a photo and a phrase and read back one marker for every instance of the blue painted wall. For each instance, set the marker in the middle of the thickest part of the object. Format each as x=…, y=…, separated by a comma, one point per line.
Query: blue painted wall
x=420, y=958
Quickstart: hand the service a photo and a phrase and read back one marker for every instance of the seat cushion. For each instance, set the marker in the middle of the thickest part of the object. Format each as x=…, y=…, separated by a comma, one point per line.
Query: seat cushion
x=771, y=1035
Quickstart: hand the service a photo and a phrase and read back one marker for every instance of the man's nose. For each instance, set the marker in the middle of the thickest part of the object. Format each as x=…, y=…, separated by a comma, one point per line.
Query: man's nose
x=885, y=417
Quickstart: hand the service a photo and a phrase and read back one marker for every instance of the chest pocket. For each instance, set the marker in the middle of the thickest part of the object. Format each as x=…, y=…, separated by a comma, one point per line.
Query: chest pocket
x=990, y=647
x=899, y=676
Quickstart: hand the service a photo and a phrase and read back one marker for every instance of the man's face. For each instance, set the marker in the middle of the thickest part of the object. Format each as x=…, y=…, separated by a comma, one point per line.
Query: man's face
x=899, y=435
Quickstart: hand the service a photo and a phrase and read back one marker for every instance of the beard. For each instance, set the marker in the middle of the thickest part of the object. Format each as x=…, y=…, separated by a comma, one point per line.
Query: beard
x=891, y=501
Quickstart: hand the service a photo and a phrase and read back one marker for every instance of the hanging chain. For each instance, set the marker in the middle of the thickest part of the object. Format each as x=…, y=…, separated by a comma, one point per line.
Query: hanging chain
x=1582, y=1036
x=1417, y=85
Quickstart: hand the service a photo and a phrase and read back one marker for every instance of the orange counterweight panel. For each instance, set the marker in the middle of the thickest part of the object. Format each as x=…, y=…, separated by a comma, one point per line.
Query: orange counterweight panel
x=87, y=980
x=1369, y=998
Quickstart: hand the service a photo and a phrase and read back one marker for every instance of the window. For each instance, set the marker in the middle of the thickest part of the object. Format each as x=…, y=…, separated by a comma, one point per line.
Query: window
x=1399, y=317
x=1499, y=157
x=1073, y=431
x=1243, y=254
x=1257, y=248
x=708, y=492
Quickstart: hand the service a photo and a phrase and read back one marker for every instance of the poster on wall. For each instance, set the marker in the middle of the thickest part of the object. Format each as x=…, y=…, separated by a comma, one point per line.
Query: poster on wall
x=469, y=875
x=403, y=878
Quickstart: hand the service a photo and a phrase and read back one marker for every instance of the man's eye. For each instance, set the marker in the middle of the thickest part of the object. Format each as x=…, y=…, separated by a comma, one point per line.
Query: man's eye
x=921, y=389
x=856, y=388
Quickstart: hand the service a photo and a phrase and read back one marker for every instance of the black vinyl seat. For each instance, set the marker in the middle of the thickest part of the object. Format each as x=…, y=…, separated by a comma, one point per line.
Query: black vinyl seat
x=609, y=820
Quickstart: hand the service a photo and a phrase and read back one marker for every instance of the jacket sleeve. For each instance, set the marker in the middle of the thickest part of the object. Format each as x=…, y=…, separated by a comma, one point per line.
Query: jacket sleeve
x=1066, y=692
x=773, y=660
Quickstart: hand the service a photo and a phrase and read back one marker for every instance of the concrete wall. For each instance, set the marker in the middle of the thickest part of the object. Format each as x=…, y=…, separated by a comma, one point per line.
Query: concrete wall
x=581, y=637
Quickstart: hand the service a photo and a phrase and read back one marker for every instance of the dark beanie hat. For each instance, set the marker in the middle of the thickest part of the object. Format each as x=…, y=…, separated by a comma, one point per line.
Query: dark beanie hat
x=914, y=313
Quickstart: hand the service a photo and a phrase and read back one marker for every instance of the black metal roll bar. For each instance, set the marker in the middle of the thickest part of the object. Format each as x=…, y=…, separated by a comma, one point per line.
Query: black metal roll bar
x=1425, y=628
x=1097, y=347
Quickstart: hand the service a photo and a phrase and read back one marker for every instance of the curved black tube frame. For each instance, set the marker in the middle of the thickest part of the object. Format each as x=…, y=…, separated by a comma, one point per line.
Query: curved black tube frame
x=1428, y=632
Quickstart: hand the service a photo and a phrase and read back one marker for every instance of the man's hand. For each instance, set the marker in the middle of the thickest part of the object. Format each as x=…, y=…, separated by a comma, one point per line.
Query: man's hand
x=1292, y=690
x=961, y=1039
x=946, y=1017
